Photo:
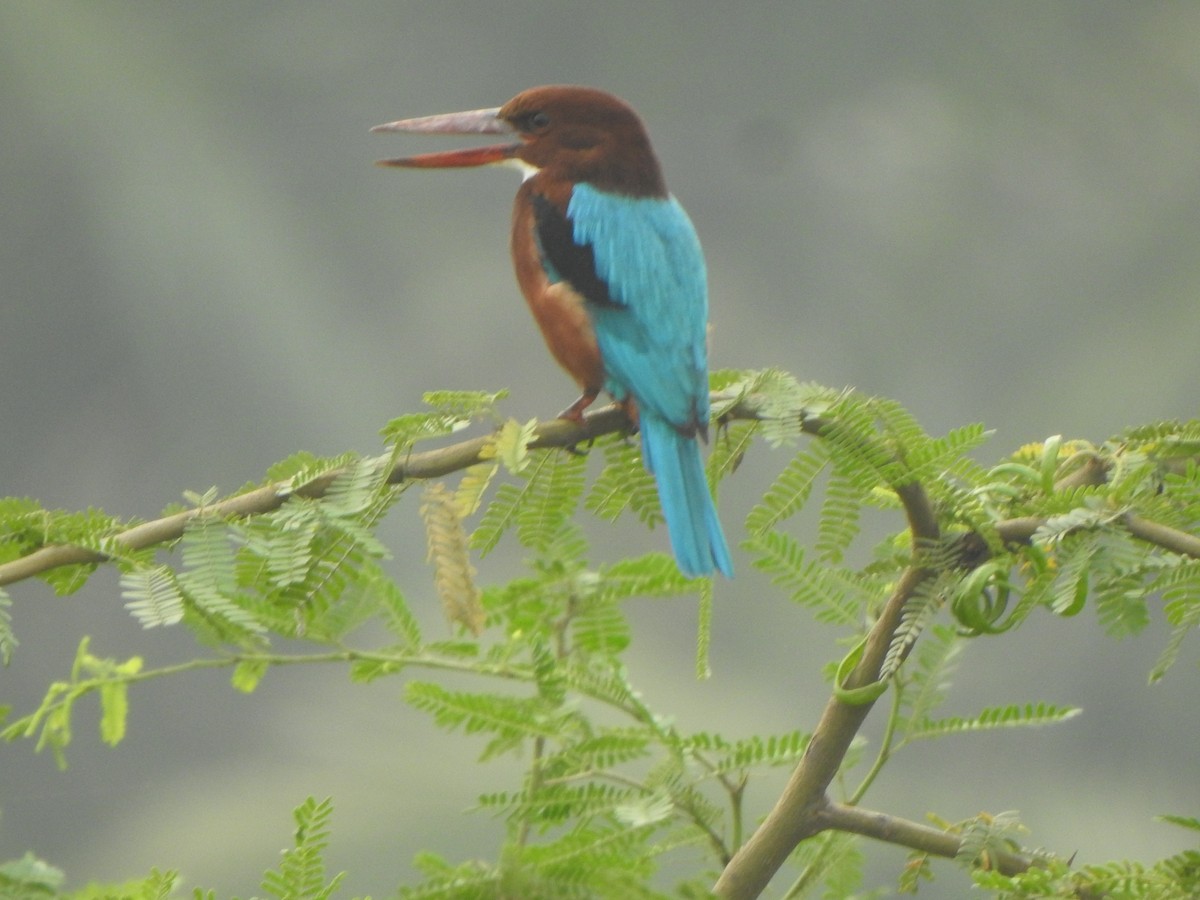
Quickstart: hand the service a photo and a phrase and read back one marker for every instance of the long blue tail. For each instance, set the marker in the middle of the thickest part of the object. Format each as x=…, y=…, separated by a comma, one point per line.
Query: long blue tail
x=675, y=462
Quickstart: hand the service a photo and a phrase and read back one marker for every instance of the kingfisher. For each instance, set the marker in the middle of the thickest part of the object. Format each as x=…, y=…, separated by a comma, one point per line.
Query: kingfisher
x=613, y=273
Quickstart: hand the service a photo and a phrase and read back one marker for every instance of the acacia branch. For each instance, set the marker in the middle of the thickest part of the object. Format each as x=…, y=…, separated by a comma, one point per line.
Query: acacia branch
x=803, y=808
x=426, y=464
x=914, y=835
x=422, y=465
x=553, y=433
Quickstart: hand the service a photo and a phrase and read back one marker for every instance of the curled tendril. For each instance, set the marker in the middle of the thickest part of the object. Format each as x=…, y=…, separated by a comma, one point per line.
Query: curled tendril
x=981, y=599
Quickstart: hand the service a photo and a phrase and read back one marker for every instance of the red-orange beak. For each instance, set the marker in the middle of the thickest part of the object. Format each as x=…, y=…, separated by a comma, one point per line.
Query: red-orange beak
x=476, y=121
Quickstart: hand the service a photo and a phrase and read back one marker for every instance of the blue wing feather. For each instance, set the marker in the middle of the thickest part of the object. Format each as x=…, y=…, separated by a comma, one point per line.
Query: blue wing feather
x=652, y=336
x=651, y=330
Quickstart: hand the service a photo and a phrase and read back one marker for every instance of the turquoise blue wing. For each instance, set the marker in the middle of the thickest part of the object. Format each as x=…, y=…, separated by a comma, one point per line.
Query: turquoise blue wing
x=651, y=327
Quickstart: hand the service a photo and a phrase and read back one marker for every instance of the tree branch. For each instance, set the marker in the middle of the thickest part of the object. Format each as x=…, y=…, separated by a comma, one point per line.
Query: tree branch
x=914, y=835
x=803, y=808
x=553, y=433
x=413, y=466
x=426, y=464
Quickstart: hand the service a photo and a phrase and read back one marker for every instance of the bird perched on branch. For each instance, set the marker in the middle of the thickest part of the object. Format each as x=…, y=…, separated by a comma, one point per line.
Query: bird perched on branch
x=613, y=272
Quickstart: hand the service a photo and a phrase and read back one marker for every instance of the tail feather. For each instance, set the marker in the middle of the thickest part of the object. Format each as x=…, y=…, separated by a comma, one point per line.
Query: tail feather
x=696, y=536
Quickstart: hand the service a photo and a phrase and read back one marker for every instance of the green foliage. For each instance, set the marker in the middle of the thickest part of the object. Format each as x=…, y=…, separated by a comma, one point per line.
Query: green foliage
x=8, y=640
x=301, y=870
x=612, y=788
x=1011, y=716
x=106, y=679
x=1174, y=878
x=624, y=484
x=29, y=878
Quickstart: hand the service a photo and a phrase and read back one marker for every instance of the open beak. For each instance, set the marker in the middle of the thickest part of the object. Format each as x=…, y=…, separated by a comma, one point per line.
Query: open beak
x=476, y=121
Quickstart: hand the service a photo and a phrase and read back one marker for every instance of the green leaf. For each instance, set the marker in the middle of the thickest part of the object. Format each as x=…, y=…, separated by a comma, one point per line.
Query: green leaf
x=732, y=443
x=152, y=595
x=934, y=662
x=395, y=611
x=114, y=704
x=996, y=717
x=928, y=459
x=300, y=874
x=1190, y=822
x=500, y=515
x=510, y=718
x=248, y=673
x=836, y=595
x=790, y=491
x=512, y=443
x=302, y=467
x=209, y=579
x=838, y=525
x=474, y=484
x=750, y=753
x=650, y=575
x=624, y=484
x=467, y=404
x=32, y=874
x=8, y=640
x=598, y=626
x=552, y=494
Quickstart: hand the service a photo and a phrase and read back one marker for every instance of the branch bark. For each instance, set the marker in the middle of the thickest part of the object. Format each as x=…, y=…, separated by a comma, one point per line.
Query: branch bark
x=804, y=807
x=423, y=465
x=553, y=433
x=413, y=466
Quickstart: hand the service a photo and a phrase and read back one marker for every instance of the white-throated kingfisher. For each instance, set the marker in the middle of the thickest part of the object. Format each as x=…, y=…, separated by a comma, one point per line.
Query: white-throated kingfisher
x=613, y=272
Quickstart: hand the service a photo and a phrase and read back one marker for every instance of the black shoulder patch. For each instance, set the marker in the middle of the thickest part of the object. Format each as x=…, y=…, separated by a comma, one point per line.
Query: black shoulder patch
x=564, y=259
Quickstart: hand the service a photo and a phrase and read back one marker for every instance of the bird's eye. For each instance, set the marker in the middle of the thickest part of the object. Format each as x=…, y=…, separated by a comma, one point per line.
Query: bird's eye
x=539, y=120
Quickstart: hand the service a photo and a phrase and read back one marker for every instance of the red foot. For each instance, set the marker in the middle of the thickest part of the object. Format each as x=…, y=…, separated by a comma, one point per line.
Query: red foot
x=574, y=412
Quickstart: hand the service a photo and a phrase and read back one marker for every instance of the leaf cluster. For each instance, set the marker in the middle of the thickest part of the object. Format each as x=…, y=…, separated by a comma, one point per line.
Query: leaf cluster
x=612, y=788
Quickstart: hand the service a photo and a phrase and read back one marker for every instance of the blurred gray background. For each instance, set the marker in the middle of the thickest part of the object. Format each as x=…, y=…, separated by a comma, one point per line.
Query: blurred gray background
x=986, y=211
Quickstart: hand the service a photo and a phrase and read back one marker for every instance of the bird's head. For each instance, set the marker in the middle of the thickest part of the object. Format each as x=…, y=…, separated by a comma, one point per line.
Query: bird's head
x=564, y=134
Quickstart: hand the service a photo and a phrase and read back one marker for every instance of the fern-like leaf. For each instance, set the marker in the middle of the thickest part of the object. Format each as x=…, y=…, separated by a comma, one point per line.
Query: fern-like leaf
x=557, y=804
x=465, y=404
x=454, y=576
x=589, y=862
x=732, y=443
x=8, y=640
x=930, y=458
x=790, y=491
x=650, y=575
x=996, y=717
x=935, y=661
x=555, y=484
x=838, y=524
x=395, y=612
x=918, y=612
x=836, y=595
x=512, y=443
x=499, y=516
x=750, y=753
x=596, y=752
x=473, y=485
x=301, y=870
x=598, y=626
x=624, y=484
x=209, y=579
x=510, y=718
x=152, y=596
